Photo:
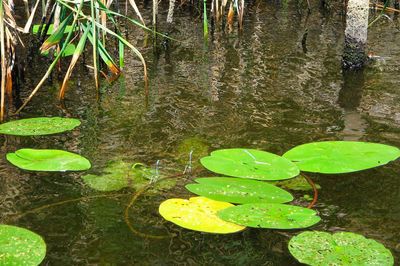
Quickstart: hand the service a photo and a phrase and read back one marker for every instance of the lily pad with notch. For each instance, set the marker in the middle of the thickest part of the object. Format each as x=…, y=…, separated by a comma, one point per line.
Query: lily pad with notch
x=48, y=160
x=39, y=126
x=249, y=163
x=198, y=213
x=335, y=157
x=270, y=215
x=239, y=190
x=344, y=248
x=20, y=246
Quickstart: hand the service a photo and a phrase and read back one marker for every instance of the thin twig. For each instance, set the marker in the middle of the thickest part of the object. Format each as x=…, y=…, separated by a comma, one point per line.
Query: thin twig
x=140, y=192
x=67, y=201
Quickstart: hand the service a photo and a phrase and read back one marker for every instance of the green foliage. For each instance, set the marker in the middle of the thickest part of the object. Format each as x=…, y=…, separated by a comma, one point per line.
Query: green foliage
x=198, y=213
x=38, y=126
x=119, y=174
x=35, y=29
x=19, y=246
x=321, y=248
x=270, y=215
x=48, y=160
x=238, y=190
x=249, y=163
x=335, y=157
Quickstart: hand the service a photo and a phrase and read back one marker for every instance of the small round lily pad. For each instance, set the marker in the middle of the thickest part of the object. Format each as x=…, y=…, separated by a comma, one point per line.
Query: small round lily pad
x=48, y=160
x=335, y=157
x=249, y=163
x=38, y=126
x=198, y=213
x=19, y=246
x=239, y=190
x=344, y=248
x=270, y=215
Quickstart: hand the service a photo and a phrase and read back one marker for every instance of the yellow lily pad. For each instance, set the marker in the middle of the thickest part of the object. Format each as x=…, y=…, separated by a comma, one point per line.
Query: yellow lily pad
x=198, y=213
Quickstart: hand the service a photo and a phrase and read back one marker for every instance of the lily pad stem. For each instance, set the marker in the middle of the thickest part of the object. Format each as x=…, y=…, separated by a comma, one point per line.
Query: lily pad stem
x=140, y=192
x=315, y=190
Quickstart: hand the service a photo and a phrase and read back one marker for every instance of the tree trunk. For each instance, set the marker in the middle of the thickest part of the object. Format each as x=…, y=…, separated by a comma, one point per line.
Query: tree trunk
x=356, y=34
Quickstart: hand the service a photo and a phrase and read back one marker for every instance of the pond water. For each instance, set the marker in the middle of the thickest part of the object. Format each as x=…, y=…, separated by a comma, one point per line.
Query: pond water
x=260, y=88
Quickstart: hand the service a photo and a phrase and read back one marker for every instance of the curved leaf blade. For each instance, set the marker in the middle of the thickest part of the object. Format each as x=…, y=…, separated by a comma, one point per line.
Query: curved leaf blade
x=270, y=215
x=344, y=248
x=19, y=246
x=38, y=126
x=48, y=160
x=198, y=213
x=249, y=163
x=335, y=157
x=239, y=190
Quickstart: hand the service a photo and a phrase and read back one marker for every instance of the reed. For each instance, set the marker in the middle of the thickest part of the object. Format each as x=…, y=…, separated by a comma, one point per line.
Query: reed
x=93, y=18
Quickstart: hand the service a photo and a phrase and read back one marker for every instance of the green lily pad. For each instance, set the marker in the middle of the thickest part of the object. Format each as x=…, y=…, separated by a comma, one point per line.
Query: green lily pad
x=48, y=160
x=119, y=174
x=198, y=213
x=321, y=248
x=38, y=126
x=270, y=215
x=19, y=246
x=248, y=163
x=334, y=157
x=239, y=190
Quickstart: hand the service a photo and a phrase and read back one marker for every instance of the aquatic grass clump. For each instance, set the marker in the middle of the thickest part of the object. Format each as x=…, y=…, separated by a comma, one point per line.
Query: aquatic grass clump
x=67, y=39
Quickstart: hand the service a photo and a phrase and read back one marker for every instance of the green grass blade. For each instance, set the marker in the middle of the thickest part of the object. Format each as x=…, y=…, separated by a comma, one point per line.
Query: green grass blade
x=56, y=36
x=205, y=23
x=46, y=75
x=105, y=56
x=133, y=48
x=75, y=57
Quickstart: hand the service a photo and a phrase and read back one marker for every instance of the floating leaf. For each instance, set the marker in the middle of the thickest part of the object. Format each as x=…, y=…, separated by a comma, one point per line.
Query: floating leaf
x=334, y=157
x=48, y=160
x=119, y=174
x=250, y=163
x=270, y=215
x=239, y=190
x=39, y=126
x=19, y=246
x=321, y=248
x=198, y=213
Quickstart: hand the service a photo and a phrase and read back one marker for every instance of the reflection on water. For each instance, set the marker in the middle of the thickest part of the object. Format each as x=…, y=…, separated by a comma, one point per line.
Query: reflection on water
x=349, y=99
x=255, y=89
